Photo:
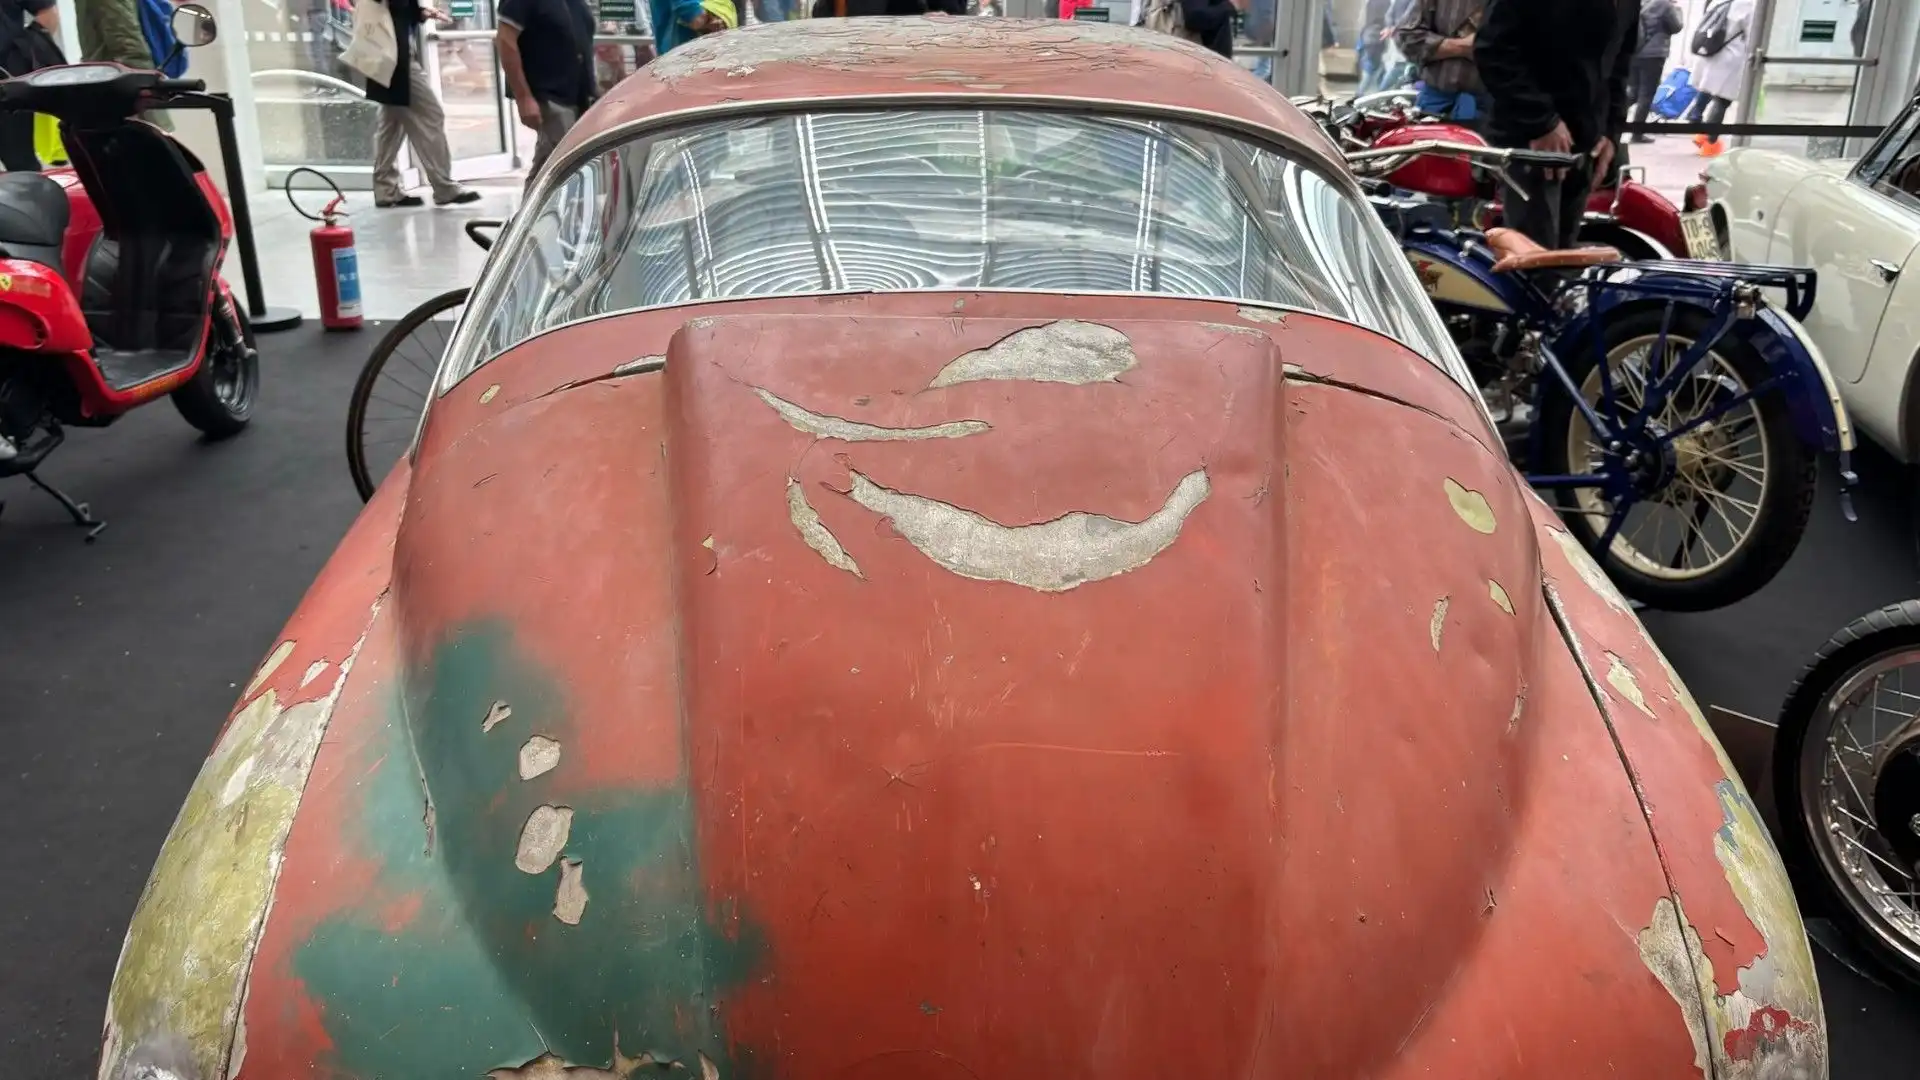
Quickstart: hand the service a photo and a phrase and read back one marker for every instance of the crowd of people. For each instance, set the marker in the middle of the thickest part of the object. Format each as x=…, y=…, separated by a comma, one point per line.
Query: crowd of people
x=1435, y=47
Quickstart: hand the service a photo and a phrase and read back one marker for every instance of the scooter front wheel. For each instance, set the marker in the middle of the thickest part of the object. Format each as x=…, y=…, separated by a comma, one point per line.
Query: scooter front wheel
x=1710, y=501
x=219, y=398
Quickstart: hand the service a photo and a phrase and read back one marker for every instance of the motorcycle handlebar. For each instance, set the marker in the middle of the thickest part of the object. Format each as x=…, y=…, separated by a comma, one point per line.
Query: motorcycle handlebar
x=1388, y=158
x=474, y=228
x=180, y=86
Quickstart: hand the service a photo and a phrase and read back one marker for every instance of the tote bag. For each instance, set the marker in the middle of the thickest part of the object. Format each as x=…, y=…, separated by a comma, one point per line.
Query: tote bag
x=374, y=51
x=1674, y=95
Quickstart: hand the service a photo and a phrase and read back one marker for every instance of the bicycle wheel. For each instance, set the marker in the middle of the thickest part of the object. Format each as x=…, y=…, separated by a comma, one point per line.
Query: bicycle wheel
x=393, y=389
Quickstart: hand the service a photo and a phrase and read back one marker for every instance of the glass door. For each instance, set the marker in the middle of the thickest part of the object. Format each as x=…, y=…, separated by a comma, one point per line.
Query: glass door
x=1802, y=80
x=461, y=61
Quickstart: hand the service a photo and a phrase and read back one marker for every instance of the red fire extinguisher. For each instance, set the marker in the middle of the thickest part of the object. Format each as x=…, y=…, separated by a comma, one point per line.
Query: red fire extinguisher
x=336, y=267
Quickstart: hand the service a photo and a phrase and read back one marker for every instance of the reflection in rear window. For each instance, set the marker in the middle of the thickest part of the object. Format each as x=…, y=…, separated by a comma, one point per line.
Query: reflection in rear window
x=948, y=199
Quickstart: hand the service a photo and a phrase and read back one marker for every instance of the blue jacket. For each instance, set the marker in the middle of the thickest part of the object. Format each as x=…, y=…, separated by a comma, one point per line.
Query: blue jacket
x=670, y=19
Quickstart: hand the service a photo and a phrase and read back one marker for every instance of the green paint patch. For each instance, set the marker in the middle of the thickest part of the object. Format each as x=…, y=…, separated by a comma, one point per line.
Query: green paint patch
x=484, y=976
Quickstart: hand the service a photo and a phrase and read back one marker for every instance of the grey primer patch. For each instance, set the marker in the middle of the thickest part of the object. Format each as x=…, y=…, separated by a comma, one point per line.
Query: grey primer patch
x=538, y=755
x=638, y=365
x=1262, y=315
x=1053, y=556
x=816, y=535
x=1069, y=351
x=543, y=837
x=570, y=898
x=833, y=427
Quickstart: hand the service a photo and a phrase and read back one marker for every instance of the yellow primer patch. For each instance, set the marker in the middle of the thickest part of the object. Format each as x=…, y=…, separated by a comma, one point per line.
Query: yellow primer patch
x=267, y=667
x=1621, y=678
x=1499, y=596
x=489, y=393
x=1438, y=624
x=1472, y=506
x=183, y=967
x=1589, y=571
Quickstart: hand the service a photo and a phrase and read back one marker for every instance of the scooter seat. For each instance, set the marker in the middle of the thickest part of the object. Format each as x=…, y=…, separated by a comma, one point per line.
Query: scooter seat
x=1514, y=252
x=33, y=212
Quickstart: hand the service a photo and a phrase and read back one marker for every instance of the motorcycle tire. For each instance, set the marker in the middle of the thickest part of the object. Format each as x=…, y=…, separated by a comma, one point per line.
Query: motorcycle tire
x=1786, y=494
x=218, y=400
x=1808, y=848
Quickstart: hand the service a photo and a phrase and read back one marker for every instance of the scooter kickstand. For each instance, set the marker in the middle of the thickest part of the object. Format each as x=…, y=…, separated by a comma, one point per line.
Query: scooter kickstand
x=80, y=512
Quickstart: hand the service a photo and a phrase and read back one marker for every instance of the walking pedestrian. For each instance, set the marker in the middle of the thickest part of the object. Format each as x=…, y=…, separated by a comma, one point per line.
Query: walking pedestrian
x=1371, y=45
x=1720, y=48
x=1438, y=35
x=410, y=109
x=1556, y=71
x=1659, y=21
x=546, y=50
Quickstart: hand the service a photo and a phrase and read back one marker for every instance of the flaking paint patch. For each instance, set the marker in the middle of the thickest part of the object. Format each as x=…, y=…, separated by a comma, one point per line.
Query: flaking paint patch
x=638, y=365
x=1621, y=678
x=1068, y=351
x=267, y=667
x=1590, y=571
x=822, y=426
x=497, y=713
x=1437, y=626
x=570, y=896
x=1472, y=506
x=538, y=755
x=543, y=837
x=551, y=1066
x=491, y=392
x=1734, y=1036
x=814, y=532
x=182, y=974
x=1262, y=315
x=1053, y=556
x=314, y=671
x=1499, y=596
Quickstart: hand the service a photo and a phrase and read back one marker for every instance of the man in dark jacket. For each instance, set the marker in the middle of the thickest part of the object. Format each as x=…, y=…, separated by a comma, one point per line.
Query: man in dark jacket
x=1211, y=22
x=411, y=110
x=1556, y=71
x=26, y=44
x=1659, y=21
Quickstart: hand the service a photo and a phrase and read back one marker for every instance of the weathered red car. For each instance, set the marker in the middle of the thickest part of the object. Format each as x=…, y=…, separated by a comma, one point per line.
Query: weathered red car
x=951, y=549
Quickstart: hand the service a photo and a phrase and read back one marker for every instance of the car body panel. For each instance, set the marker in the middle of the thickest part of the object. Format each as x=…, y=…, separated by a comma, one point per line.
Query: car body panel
x=1781, y=208
x=953, y=684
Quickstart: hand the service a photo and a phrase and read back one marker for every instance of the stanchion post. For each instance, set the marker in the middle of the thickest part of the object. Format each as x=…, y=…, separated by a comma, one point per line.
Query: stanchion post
x=265, y=320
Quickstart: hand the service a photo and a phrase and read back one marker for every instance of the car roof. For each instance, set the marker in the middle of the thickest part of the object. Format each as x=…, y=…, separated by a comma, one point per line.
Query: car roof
x=1024, y=61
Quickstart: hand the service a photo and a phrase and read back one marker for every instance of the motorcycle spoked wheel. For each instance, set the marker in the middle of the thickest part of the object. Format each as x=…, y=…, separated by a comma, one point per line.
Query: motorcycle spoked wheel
x=1739, y=489
x=219, y=398
x=1845, y=759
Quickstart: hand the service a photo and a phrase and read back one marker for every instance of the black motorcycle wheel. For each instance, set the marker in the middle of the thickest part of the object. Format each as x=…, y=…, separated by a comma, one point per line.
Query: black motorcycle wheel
x=219, y=398
x=1845, y=760
x=1745, y=479
x=394, y=387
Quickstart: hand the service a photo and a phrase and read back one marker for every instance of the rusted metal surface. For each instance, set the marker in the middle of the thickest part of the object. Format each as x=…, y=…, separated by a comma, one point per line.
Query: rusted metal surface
x=1008, y=685
x=828, y=60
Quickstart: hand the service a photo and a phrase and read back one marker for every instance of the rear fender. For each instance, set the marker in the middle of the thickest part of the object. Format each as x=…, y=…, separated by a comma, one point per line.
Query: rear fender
x=1813, y=398
x=38, y=312
x=1633, y=243
x=1453, y=278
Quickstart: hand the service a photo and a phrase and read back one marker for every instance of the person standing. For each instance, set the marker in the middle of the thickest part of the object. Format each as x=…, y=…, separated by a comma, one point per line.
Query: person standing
x=676, y=22
x=410, y=109
x=1438, y=35
x=1556, y=74
x=546, y=49
x=1720, y=49
x=1371, y=45
x=1211, y=22
x=1659, y=21
x=26, y=44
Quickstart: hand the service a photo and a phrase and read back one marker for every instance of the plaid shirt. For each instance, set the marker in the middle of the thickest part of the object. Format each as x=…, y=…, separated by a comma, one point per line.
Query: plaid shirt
x=1430, y=23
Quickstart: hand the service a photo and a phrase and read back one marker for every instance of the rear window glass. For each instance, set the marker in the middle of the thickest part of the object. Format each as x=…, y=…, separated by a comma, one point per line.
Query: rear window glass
x=947, y=199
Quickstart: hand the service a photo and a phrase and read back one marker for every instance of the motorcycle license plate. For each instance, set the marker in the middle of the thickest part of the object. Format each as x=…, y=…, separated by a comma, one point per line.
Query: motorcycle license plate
x=1702, y=241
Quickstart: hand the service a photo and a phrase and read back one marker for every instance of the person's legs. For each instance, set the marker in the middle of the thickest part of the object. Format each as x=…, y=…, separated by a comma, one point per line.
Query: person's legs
x=426, y=124
x=1646, y=82
x=1716, y=113
x=386, y=157
x=1698, y=107
x=16, y=142
x=1573, y=206
x=554, y=122
x=1534, y=209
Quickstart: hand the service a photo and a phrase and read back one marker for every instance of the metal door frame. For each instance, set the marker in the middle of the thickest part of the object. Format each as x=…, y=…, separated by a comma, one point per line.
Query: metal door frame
x=505, y=120
x=1753, y=80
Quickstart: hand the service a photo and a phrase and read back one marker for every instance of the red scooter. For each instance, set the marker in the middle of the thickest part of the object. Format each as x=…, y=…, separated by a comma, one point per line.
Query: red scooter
x=110, y=287
x=1632, y=217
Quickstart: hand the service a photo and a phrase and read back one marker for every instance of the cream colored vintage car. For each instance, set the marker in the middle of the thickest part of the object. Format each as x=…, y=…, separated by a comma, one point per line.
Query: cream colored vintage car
x=1857, y=223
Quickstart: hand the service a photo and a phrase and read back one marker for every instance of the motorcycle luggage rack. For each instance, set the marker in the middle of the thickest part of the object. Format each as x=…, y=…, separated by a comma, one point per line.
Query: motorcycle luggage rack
x=1797, y=281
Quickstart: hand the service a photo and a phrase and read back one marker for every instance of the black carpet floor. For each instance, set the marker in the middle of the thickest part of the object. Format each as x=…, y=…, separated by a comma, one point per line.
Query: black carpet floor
x=119, y=660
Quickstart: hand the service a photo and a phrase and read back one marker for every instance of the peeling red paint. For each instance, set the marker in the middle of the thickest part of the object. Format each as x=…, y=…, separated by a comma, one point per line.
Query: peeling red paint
x=1768, y=1027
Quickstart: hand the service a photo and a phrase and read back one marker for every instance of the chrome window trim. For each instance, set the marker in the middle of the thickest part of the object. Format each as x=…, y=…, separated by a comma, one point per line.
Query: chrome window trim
x=485, y=291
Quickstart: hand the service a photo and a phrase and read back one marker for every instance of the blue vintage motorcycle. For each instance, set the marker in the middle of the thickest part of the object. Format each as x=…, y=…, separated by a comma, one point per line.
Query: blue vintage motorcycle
x=1671, y=410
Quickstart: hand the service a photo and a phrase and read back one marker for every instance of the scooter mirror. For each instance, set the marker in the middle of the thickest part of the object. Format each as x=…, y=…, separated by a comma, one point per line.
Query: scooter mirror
x=193, y=25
